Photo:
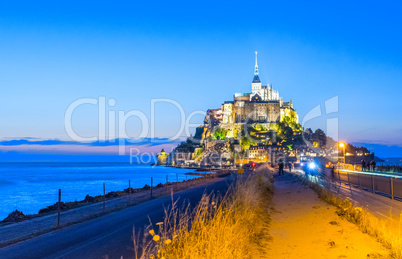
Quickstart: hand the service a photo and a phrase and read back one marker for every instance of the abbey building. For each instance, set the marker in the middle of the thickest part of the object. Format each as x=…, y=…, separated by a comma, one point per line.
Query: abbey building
x=262, y=105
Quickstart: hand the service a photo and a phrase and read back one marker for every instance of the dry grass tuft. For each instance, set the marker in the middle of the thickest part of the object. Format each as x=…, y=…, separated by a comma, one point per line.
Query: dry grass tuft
x=235, y=226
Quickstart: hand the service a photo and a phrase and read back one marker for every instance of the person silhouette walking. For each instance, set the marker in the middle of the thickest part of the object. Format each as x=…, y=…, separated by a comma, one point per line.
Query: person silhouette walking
x=281, y=164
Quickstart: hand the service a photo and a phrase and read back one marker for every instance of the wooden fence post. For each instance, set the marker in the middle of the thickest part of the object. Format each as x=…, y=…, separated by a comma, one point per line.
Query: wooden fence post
x=129, y=191
x=58, y=210
x=372, y=180
x=350, y=185
x=392, y=187
x=104, y=198
x=358, y=179
x=340, y=182
x=177, y=181
x=152, y=184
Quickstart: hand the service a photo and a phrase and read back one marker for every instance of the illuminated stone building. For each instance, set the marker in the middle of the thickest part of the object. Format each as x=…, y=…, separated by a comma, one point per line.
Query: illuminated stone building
x=262, y=105
x=162, y=157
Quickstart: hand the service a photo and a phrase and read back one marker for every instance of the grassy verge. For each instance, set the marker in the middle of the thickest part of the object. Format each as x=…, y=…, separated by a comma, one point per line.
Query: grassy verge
x=387, y=232
x=235, y=226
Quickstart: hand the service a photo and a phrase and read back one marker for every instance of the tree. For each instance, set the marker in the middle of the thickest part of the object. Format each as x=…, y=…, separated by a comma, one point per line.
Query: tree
x=259, y=127
x=284, y=130
x=246, y=142
x=219, y=133
x=286, y=120
x=319, y=135
x=287, y=133
x=289, y=144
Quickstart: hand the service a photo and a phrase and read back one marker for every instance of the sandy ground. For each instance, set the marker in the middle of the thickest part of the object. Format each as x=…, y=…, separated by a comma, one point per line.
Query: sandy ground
x=303, y=226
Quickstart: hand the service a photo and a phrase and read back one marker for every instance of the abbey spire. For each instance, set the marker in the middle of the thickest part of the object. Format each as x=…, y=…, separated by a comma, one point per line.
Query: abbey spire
x=256, y=79
x=256, y=65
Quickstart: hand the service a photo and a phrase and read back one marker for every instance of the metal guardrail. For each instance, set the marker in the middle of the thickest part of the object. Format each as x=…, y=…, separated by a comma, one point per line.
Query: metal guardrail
x=390, y=186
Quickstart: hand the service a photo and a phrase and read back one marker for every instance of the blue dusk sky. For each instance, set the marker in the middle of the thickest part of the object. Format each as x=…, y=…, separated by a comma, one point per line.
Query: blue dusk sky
x=197, y=53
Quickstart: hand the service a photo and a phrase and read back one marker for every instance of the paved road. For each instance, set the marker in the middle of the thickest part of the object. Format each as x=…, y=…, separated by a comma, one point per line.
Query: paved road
x=109, y=236
x=10, y=233
x=380, y=206
x=377, y=173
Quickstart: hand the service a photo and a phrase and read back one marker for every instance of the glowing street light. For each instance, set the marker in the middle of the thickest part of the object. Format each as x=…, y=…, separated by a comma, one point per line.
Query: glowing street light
x=311, y=165
x=342, y=145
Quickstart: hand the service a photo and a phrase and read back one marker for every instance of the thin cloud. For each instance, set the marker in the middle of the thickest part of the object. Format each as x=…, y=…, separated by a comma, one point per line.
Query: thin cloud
x=106, y=143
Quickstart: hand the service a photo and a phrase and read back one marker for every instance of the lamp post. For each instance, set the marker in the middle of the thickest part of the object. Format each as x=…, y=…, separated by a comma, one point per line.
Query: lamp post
x=342, y=145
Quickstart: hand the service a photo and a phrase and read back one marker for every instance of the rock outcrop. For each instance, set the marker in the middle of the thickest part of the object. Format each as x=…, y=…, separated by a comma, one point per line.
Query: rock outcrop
x=53, y=207
x=15, y=216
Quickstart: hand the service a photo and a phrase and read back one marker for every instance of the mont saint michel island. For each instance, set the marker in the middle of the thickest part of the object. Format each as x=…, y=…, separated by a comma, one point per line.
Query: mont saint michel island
x=259, y=126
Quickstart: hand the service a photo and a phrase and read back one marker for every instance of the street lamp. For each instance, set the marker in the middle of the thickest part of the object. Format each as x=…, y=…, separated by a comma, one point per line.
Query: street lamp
x=342, y=145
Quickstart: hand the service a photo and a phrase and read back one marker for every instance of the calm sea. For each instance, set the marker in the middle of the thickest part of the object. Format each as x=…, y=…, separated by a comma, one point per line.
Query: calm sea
x=29, y=187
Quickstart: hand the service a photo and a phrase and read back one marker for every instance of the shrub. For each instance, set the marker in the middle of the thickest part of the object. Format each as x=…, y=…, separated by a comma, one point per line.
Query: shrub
x=235, y=226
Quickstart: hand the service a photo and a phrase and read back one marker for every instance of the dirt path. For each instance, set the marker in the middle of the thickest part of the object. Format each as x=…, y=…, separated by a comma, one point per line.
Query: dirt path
x=303, y=226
